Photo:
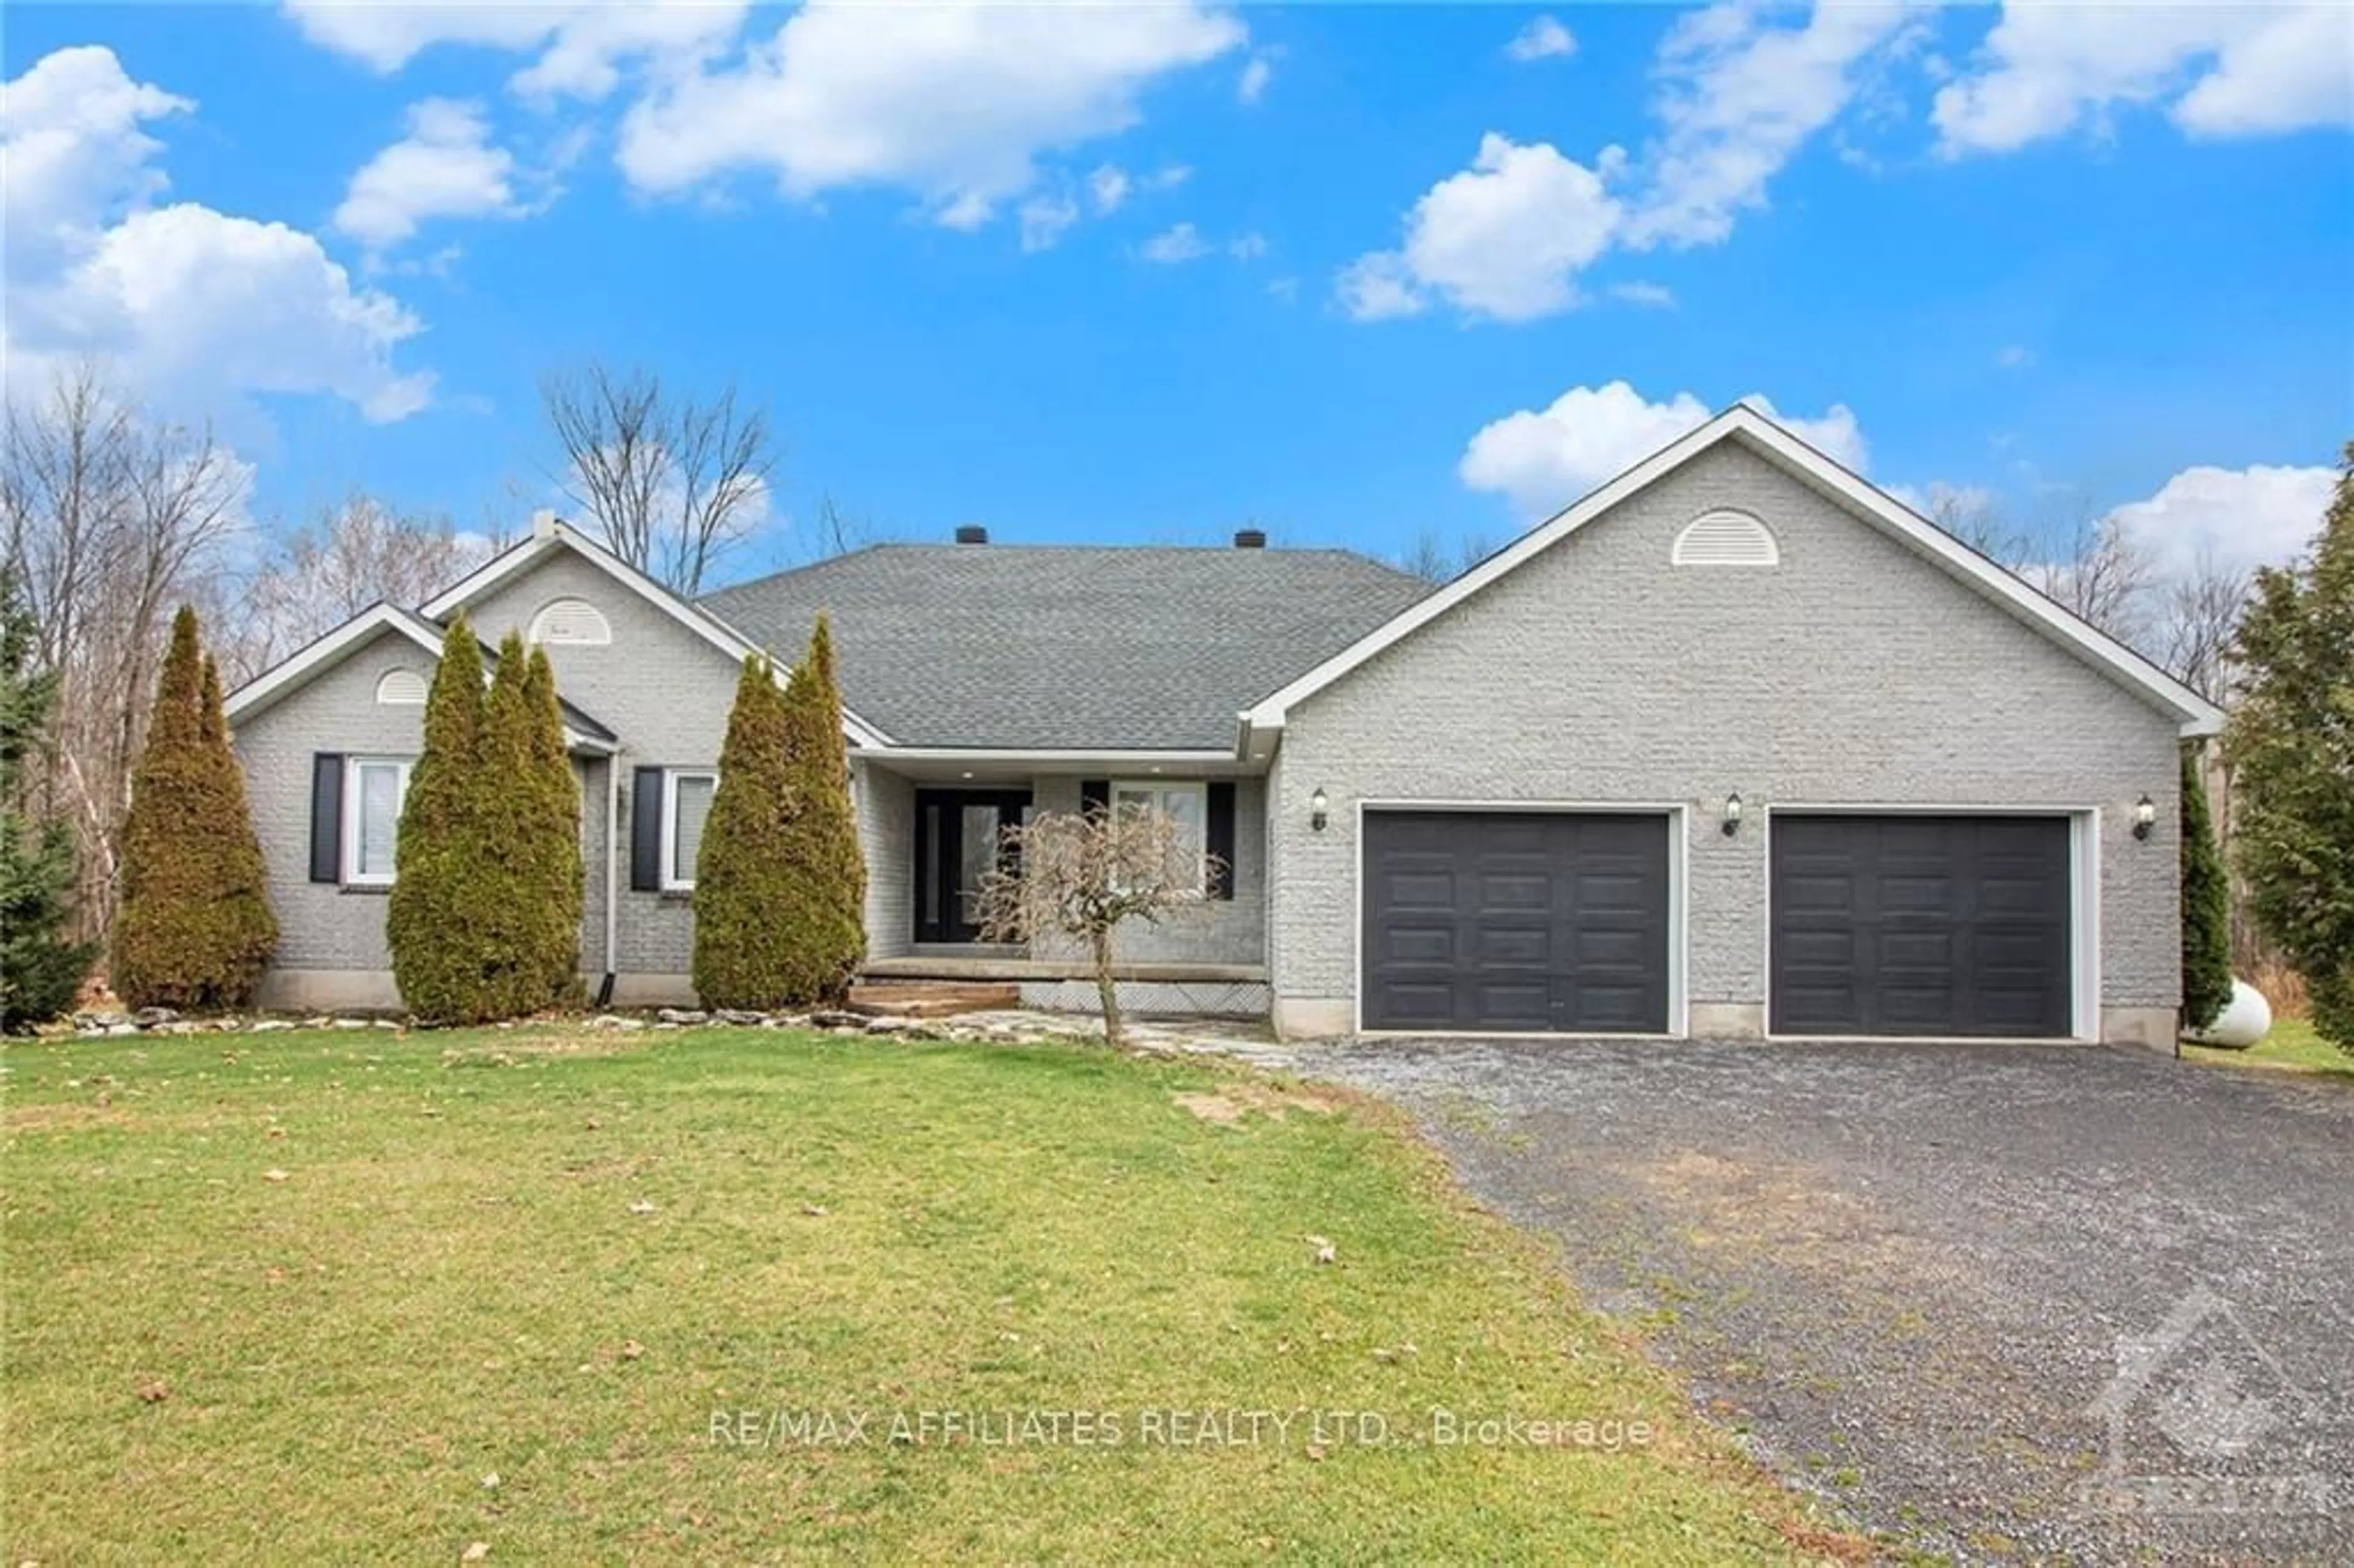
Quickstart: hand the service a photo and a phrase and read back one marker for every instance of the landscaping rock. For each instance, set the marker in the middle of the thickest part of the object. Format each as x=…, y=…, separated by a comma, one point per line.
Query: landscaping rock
x=682, y=1016
x=271, y=1026
x=907, y=1026
x=738, y=1018
x=349, y=1023
x=154, y=1017
x=99, y=1021
x=835, y=1018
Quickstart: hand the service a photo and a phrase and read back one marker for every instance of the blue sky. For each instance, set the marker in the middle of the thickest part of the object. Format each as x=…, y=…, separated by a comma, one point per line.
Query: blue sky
x=2090, y=258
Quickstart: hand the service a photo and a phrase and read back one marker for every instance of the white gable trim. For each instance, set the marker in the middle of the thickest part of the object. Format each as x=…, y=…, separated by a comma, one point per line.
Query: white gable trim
x=1260, y=722
x=550, y=537
x=298, y=669
x=290, y=675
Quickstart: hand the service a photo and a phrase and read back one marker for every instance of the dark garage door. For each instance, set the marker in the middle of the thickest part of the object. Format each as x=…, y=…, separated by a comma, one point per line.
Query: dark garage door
x=1519, y=922
x=1920, y=926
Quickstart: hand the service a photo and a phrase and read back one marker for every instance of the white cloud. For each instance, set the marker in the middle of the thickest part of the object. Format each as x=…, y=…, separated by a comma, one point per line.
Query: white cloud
x=76, y=154
x=1740, y=98
x=1043, y=218
x=1172, y=245
x=1544, y=38
x=194, y=308
x=1109, y=187
x=2241, y=517
x=2222, y=70
x=1939, y=500
x=1504, y=238
x=1541, y=459
x=580, y=45
x=2014, y=356
x=1378, y=287
x=956, y=103
x=1248, y=247
x=1251, y=86
x=444, y=168
x=1650, y=296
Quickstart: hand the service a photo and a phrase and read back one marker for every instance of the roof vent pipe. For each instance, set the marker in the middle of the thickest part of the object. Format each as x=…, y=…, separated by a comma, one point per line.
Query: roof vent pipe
x=1250, y=538
x=972, y=534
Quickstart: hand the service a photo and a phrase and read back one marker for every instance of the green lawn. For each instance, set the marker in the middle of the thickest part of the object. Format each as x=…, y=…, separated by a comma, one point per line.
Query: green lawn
x=312, y=1296
x=2292, y=1045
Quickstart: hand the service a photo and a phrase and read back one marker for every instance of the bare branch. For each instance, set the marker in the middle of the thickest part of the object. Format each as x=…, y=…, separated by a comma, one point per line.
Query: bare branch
x=1081, y=875
x=672, y=481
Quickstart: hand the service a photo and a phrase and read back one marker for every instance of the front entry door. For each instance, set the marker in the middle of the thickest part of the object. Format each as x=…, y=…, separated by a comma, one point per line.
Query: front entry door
x=960, y=836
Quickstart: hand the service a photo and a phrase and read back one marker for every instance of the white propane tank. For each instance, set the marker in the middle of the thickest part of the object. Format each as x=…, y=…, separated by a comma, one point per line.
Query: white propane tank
x=2243, y=1020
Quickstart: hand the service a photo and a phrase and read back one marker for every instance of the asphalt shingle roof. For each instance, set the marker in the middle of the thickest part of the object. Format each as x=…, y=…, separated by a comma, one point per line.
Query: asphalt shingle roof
x=1064, y=647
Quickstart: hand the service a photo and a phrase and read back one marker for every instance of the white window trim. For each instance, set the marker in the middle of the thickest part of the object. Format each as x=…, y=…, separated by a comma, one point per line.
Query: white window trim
x=1197, y=788
x=353, y=800
x=671, y=881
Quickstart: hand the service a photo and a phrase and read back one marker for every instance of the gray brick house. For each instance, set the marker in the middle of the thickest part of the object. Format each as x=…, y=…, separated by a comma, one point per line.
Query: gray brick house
x=1738, y=745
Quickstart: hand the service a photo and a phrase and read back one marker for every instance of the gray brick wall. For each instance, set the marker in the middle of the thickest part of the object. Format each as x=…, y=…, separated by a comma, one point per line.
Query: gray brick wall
x=659, y=686
x=1857, y=672
x=887, y=833
x=319, y=925
x=1223, y=931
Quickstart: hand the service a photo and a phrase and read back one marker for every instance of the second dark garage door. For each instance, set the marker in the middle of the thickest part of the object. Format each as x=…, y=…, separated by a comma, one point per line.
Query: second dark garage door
x=1920, y=926
x=1515, y=922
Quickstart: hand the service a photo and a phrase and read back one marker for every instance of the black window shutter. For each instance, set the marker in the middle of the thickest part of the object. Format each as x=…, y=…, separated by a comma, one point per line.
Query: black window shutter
x=1220, y=838
x=645, y=831
x=327, y=816
x=1095, y=796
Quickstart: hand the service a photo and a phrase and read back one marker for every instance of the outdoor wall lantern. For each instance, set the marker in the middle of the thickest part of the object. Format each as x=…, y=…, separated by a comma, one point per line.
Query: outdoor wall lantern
x=1319, y=810
x=2144, y=817
x=1732, y=814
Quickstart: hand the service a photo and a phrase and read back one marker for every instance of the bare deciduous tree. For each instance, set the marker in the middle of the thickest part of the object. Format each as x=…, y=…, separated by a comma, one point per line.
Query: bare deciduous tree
x=1431, y=561
x=2104, y=574
x=2198, y=619
x=350, y=556
x=672, y=480
x=112, y=519
x=1972, y=517
x=1080, y=876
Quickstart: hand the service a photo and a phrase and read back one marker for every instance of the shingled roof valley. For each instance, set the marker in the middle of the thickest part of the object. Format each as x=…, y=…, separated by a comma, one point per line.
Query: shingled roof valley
x=1069, y=648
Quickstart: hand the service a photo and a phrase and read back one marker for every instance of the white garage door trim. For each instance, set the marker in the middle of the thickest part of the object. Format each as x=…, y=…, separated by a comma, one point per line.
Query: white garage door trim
x=1678, y=905
x=2084, y=896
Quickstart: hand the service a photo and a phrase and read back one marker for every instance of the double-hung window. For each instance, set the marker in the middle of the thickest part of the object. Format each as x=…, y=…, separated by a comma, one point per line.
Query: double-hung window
x=687, y=794
x=1186, y=805
x=373, y=788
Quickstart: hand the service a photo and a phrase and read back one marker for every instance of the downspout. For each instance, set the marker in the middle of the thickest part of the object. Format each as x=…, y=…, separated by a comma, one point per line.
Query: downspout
x=612, y=877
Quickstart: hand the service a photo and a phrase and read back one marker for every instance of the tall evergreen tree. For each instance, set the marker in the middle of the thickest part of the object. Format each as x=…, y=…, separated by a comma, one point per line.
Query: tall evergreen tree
x=2206, y=905
x=194, y=930
x=558, y=868
x=822, y=838
x=2292, y=744
x=526, y=886
x=438, y=959
x=746, y=899
x=40, y=971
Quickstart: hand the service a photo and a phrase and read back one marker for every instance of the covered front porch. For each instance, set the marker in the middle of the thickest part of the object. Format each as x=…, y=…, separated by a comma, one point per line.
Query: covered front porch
x=934, y=824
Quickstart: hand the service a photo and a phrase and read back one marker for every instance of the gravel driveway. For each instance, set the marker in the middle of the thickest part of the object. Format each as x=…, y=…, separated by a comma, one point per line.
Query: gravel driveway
x=1905, y=1272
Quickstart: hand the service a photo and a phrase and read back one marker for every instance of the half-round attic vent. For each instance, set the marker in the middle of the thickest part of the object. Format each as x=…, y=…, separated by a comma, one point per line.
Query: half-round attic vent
x=400, y=687
x=1726, y=539
x=573, y=622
